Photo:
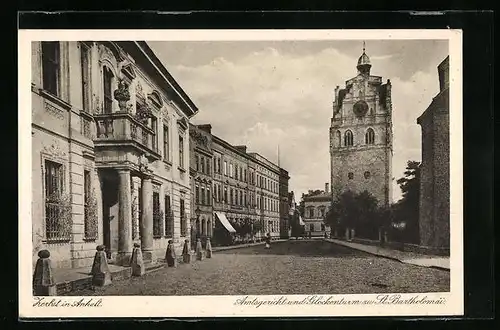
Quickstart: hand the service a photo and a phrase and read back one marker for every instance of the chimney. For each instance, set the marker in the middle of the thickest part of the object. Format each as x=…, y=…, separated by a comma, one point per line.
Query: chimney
x=326, y=188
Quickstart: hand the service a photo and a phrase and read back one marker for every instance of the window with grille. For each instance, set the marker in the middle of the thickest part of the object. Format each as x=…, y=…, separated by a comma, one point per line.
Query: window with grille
x=90, y=208
x=51, y=66
x=169, y=217
x=57, y=207
x=108, y=89
x=85, y=71
x=157, y=218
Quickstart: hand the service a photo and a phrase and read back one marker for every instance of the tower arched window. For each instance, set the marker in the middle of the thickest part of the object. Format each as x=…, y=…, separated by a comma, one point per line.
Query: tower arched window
x=370, y=136
x=348, y=139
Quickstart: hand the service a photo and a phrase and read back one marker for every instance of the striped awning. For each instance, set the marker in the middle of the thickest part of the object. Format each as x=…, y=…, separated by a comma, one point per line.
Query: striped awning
x=222, y=218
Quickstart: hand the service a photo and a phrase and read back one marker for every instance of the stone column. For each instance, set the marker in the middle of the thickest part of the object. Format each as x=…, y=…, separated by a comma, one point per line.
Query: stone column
x=124, y=218
x=147, y=219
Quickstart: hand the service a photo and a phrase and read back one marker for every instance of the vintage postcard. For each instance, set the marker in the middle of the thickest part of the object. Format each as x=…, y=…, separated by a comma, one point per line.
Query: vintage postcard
x=227, y=173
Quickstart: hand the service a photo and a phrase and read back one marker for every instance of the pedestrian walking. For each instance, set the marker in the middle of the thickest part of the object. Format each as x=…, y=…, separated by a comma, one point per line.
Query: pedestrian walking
x=268, y=241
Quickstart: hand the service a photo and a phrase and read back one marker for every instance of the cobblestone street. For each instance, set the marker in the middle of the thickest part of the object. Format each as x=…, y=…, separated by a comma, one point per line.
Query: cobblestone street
x=293, y=267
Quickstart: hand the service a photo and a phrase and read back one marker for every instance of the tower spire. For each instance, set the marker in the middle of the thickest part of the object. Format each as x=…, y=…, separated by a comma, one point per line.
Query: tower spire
x=364, y=46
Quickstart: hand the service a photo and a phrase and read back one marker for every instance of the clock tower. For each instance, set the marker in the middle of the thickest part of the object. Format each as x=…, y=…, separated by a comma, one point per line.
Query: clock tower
x=361, y=135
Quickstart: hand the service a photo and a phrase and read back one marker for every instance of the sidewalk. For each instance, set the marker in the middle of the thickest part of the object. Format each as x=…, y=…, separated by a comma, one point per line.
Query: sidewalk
x=405, y=257
x=239, y=246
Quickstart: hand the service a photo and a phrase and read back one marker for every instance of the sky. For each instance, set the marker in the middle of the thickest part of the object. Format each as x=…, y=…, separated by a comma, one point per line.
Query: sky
x=266, y=94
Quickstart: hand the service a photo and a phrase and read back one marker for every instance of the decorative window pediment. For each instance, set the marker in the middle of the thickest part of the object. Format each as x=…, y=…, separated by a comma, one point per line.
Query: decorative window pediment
x=155, y=98
x=183, y=124
x=128, y=71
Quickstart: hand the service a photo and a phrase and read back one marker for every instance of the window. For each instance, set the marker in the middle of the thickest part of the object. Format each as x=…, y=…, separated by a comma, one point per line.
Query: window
x=108, y=86
x=154, y=126
x=197, y=194
x=311, y=213
x=166, y=148
x=245, y=175
x=215, y=165
x=85, y=68
x=350, y=175
x=225, y=168
x=241, y=198
x=156, y=215
x=169, y=217
x=208, y=166
x=181, y=151
x=225, y=195
x=231, y=196
x=367, y=175
x=322, y=227
x=202, y=195
x=202, y=162
x=236, y=172
x=57, y=211
x=370, y=136
x=209, y=200
x=90, y=219
x=197, y=163
x=51, y=66
x=183, y=218
x=311, y=227
x=322, y=212
x=230, y=170
x=218, y=165
x=348, y=139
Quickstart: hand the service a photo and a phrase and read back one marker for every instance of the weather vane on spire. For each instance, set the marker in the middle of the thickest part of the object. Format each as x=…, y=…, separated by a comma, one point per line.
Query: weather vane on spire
x=363, y=46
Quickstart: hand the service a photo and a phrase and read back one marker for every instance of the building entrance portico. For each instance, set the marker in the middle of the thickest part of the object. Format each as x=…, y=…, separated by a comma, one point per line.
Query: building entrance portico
x=127, y=213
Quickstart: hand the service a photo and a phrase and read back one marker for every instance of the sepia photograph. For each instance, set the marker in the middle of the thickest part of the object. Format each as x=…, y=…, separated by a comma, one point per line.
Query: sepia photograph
x=278, y=170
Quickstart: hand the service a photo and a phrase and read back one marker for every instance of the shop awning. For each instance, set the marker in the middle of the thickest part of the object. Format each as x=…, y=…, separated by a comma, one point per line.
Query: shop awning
x=222, y=218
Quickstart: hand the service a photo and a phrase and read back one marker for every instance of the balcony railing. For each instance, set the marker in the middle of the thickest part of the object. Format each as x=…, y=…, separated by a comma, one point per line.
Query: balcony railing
x=122, y=127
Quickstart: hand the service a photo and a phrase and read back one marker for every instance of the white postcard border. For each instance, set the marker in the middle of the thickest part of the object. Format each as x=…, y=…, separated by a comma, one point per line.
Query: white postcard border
x=228, y=306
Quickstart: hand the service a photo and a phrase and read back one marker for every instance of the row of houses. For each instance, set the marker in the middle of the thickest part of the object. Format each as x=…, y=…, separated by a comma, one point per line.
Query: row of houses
x=233, y=187
x=117, y=161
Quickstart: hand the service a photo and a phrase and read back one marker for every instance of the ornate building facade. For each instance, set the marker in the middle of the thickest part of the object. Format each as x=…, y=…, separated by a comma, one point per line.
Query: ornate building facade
x=235, y=189
x=434, y=210
x=110, y=131
x=201, y=170
x=361, y=135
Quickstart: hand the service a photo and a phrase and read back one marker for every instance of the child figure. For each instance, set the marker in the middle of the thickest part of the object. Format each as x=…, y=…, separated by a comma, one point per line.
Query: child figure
x=268, y=241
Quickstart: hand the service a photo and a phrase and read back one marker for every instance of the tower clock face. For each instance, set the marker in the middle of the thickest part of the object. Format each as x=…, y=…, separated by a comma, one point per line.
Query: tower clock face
x=360, y=108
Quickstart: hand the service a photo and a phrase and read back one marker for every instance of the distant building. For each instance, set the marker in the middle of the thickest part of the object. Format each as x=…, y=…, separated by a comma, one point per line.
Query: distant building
x=434, y=213
x=316, y=206
x=361, y=135
x=201, y=174
x=284, y=206
x=233, y=188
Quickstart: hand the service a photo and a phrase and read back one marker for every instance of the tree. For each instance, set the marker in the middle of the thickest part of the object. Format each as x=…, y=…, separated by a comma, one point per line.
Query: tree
x=407, y=209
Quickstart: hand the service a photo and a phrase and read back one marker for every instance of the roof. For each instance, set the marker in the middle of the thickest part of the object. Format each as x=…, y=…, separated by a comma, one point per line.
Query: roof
x=364, y=59
x=321, y=196
x=179, y=95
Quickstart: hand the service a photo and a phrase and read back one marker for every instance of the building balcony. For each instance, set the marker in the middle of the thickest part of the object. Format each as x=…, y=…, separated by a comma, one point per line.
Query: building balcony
x=122, y=130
